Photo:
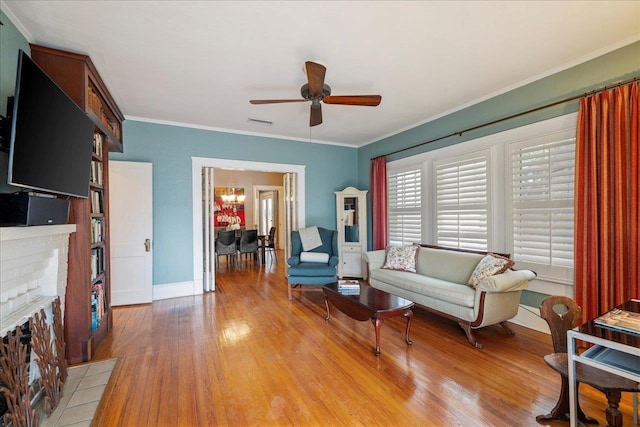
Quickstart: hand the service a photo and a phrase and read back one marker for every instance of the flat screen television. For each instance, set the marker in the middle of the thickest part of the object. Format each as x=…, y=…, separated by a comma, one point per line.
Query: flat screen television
x=51, y=137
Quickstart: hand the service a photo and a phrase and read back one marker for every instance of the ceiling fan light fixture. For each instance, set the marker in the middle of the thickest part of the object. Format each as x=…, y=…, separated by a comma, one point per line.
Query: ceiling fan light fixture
x=318, y=92
x=304, y=91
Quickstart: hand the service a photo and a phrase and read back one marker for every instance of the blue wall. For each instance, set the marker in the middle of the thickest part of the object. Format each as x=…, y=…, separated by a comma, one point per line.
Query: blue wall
x=329, y=168
x=616, y=66
x=11, y=40
x=170, y=148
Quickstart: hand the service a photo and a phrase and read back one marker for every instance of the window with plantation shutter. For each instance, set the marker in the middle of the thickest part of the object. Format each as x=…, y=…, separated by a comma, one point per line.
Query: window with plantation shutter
x=404, y=206
x=510, y=192
x=462, y=203
x=543, y=204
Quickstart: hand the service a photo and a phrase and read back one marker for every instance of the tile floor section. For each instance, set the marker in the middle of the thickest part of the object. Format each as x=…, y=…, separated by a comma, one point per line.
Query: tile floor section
x=82, y=394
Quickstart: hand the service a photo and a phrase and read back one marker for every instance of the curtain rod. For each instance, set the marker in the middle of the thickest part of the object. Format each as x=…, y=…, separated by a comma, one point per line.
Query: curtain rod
x=513, y=116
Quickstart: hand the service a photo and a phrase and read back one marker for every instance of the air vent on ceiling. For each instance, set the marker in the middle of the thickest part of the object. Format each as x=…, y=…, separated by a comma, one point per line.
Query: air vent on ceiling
x=260, y=122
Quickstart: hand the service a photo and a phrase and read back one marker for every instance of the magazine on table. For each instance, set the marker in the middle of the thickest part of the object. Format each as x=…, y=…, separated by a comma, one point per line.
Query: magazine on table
x=349, y=287
x=620, y=319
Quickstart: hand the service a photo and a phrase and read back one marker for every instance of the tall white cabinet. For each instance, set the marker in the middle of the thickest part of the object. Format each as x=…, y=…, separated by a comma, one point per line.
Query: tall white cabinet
x=351, y=216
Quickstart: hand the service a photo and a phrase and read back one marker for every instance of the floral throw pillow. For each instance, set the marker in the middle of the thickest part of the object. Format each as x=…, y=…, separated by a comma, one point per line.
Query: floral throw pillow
x=488, y=266
x=401, y=258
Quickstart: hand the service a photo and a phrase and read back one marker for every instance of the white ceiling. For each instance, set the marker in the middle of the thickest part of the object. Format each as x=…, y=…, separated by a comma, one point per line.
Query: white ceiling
x=198, y=63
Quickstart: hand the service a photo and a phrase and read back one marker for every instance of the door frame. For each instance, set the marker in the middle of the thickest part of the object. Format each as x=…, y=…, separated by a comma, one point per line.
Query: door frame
x=197, y=163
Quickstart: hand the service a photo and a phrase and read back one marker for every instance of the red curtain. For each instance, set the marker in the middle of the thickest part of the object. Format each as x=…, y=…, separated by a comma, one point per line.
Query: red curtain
x=378, y=181
x=607, y=193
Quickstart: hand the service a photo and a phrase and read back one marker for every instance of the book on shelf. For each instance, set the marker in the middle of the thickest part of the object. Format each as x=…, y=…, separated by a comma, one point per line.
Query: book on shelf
x=97, y=262
x=97, y=143
x=94, y=263
x=98, y=304
x=97, y=230
x=620, y=319
x=96, y=172
x=96, y=202
x=98, y=292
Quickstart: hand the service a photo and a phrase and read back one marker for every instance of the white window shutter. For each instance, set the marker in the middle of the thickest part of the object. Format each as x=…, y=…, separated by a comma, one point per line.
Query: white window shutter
x=543, y=203
x=404, y=206
x=462, y=203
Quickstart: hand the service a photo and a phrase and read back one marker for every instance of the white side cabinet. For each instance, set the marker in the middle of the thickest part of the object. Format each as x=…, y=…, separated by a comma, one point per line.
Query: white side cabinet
x=351, y=215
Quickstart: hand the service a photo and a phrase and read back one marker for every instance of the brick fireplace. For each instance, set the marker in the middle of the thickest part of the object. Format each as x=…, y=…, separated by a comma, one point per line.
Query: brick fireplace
x=33, y=273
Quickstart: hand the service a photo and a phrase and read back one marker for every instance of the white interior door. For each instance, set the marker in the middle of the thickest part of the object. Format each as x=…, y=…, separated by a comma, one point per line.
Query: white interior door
x=268, y=210
x=131, y=229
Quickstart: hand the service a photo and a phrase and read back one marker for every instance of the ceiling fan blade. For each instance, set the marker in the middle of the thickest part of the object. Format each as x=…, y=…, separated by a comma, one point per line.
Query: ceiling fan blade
x=274, y=101
x=364, y=100
x=315, y=75
x=316, y=116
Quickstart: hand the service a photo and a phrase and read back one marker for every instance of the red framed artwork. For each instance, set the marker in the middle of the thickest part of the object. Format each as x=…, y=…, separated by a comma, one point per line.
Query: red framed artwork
x=228, y=207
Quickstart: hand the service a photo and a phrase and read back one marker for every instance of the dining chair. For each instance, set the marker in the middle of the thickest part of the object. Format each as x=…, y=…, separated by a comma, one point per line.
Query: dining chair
x=562, y=314
x=248, y=244
x=225, y=246
x=270, y=244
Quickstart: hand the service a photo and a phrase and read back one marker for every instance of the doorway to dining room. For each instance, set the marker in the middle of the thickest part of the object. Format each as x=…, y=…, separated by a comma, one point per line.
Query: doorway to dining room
x=203, y=183
x=267, y=210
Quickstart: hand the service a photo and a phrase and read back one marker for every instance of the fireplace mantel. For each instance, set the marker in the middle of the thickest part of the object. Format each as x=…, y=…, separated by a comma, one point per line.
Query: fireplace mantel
x=33, y=271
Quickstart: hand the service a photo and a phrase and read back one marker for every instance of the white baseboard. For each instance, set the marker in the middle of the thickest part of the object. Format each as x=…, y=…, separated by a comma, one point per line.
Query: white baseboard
x=529, y=317
x=175, y=290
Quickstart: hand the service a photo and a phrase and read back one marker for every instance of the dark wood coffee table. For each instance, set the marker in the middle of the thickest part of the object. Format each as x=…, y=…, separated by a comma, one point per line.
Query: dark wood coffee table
x=369, y=304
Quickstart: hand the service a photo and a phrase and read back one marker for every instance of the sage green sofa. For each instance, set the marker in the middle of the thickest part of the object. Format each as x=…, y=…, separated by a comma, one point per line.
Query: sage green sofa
x=440, y=285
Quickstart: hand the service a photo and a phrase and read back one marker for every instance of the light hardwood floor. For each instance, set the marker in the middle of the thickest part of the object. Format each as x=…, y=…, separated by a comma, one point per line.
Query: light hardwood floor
x=246, y=355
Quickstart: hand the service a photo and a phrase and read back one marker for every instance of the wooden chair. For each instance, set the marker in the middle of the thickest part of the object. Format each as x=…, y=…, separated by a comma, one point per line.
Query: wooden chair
x=270, y=244
x=561, y=314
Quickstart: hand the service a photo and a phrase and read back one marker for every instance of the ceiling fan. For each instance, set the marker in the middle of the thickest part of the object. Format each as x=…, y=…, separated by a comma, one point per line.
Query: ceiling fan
x=316, y=90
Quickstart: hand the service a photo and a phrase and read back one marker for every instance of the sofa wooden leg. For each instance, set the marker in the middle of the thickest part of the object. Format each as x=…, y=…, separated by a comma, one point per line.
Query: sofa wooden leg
x=289, y=289
x=506, y=327
x=466, y=327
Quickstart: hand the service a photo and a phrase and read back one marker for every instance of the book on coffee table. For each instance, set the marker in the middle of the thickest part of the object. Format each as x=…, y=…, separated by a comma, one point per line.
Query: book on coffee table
x=349, y=287
x=620, y=319
x=348, y=283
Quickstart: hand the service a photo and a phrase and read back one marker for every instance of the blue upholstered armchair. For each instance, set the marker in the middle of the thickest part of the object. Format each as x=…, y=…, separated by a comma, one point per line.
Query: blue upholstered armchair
x=308, y=270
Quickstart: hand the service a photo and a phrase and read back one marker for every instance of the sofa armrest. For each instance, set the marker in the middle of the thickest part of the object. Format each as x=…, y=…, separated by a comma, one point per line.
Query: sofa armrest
x=375, y=259
x=333, y=261
x=509, y=281
x=293, y=261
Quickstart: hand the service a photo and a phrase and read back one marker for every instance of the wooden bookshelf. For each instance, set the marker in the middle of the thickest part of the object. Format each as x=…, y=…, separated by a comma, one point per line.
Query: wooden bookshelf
x=87, y=316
